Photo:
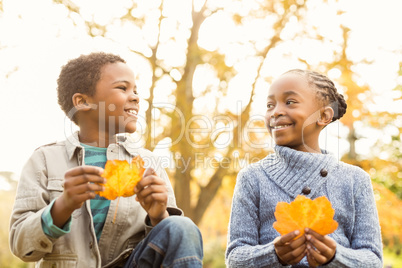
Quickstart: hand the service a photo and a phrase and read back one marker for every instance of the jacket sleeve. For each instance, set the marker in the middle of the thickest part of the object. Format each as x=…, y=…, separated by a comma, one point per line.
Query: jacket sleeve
x=366, y=245
x=243, y=249
x=27, y=239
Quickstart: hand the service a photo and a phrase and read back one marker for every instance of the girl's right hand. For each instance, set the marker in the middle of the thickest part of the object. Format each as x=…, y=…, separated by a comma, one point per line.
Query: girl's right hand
x=290, y=251
x=80, y=184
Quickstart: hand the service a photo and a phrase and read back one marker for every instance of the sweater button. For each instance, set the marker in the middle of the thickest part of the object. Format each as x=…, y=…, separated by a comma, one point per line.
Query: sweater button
x=324, y=172
x=306, y=190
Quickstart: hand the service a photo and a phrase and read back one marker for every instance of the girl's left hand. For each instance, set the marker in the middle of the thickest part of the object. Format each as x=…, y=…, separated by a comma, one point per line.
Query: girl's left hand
x=320, y=249
x=152, y=194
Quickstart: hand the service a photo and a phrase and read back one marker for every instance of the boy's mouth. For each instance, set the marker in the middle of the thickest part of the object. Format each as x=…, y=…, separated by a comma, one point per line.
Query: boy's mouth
x=132, y=112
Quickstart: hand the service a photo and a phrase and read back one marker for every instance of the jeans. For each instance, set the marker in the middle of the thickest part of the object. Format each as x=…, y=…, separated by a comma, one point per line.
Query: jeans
x=174, y=242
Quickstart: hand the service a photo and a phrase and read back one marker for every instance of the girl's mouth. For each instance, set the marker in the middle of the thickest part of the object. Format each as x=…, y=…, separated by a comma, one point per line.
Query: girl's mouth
x=280, y=127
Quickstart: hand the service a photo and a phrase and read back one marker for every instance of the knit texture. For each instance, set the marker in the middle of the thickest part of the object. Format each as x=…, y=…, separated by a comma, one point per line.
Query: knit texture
x=281, y=176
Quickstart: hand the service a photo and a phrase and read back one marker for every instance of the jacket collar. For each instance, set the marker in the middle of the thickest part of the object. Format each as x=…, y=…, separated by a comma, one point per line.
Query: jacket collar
x=73, y=144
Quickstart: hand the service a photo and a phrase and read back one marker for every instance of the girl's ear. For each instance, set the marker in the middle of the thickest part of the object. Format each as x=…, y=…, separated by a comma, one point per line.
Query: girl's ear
x=326, y=115
x=80, y=102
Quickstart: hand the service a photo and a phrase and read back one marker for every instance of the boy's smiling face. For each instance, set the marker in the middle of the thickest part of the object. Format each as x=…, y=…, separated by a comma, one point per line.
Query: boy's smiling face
x=115, y=102
x=292, y=112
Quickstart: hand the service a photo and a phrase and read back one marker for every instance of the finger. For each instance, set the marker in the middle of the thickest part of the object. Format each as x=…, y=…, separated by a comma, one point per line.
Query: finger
x=290, y=250
x=149, y=171
x=156, y=197
x=78, y=199
x=286, y=238
x=319, y=259
x=297, y=259
x=296, y=255
x=311, y=261
x=325, y=245
x=84, y=170
x=293, y=245
x=297, y=242
x=322, y=248
x=83, y=179
x=150, y=190
x=323, y=238
x=83, y=188
x=147, y=181
x=313, y=233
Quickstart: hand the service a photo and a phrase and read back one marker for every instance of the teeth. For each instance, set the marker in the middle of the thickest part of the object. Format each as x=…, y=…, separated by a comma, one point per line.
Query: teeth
x=279, y=127
x=134, y=112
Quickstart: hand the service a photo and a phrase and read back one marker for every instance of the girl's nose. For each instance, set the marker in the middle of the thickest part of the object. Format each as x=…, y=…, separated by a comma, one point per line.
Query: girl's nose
x=278, y=111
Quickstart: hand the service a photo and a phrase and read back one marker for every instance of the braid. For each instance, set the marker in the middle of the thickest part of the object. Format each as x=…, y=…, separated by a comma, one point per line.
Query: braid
x=326, y=90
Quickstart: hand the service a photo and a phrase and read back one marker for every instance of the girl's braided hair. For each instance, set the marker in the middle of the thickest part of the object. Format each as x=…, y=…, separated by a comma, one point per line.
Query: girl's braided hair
x=326, y=90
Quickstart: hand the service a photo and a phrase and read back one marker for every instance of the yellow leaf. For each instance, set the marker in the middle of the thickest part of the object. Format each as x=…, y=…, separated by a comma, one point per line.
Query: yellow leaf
x=121, y=177
x=303, y=213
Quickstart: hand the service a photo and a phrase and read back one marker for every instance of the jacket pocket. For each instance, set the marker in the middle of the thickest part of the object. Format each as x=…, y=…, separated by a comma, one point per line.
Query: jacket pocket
x=120, y=260
x=55, y=186
x=59, y=261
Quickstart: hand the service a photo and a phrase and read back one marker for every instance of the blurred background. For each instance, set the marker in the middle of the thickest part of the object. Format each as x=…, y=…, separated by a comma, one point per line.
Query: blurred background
x=203, y=71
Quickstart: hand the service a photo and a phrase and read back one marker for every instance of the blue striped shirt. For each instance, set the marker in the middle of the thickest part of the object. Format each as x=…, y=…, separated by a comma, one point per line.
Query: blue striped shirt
x=96, y=156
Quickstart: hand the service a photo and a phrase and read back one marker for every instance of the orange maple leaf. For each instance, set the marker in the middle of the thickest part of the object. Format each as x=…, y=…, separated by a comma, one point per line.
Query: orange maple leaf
x=121, y=177
x=303, y=213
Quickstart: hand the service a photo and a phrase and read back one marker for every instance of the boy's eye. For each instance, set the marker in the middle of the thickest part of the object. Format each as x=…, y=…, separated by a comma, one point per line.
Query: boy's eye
x=122, y=87
x=270, y=106
x=290, y=102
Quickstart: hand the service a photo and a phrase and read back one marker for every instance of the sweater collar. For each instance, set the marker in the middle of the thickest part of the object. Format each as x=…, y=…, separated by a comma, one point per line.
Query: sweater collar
x=294, y=170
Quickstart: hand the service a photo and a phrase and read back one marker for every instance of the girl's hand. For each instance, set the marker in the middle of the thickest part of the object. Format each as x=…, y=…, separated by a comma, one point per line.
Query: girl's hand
x=152, y=194
x=320, y=249
x=290, y=251
x=80, y=184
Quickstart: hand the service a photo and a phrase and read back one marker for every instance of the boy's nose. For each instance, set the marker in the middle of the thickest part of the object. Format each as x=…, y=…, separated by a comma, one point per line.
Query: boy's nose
x=134, y=97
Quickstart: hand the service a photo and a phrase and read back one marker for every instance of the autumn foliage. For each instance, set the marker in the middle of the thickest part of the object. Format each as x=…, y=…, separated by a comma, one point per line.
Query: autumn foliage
x=122, y=177
x=303, y=213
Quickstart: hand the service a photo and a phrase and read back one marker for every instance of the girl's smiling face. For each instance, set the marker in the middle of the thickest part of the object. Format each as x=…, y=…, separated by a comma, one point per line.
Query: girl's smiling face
x=293, y=110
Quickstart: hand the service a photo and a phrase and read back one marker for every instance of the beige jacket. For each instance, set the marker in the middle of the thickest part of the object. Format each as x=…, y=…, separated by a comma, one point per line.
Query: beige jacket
x=42, y=181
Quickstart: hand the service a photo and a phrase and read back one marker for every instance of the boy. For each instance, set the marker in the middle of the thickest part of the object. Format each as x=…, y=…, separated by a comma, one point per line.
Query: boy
x=59, y=221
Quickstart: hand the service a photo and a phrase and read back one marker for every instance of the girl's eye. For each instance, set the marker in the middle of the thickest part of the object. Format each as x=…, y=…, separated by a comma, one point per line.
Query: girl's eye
x=122, y=87
x=290, y=102
x=270, y=106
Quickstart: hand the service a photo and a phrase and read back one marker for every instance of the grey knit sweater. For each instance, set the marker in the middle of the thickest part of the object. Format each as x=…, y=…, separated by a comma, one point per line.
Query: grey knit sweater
x=281, y=177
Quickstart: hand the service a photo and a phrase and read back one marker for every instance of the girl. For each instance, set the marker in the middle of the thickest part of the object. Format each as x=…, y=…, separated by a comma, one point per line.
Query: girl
x=299, y=105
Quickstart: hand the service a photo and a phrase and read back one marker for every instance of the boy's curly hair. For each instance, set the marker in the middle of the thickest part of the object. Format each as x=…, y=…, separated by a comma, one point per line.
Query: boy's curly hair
x=326, y=90
x=80, y=75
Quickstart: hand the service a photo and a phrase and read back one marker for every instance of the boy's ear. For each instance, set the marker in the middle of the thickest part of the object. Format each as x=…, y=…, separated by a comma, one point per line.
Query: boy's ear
x=80, y=102
x=326, y=115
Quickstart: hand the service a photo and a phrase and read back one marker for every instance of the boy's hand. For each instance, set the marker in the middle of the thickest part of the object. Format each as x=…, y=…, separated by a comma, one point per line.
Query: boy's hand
x=290, y=251
x=80, y=184
x=320, y=249
x=152, y=194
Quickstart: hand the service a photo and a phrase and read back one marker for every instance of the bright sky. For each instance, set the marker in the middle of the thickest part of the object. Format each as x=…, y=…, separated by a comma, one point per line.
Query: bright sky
x=37, y=39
